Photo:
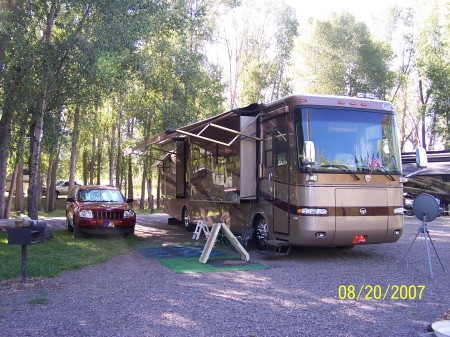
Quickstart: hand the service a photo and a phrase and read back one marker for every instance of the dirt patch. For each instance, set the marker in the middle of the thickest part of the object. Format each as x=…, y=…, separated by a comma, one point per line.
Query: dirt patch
x=15, y=285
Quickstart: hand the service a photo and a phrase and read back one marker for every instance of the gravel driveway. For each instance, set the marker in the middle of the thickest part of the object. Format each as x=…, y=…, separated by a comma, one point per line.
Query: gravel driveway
x=298, y=295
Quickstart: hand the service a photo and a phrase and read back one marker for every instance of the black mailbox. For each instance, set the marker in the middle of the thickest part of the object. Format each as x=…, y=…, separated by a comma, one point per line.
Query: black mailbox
x=27, y=235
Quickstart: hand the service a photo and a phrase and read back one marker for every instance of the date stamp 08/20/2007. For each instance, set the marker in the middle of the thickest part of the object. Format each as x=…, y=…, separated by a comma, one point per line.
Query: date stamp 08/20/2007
x=378, y=292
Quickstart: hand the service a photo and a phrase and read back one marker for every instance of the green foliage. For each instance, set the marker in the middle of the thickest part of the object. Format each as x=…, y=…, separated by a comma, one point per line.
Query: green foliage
x=433, y=62
x=179, y=85
x=261, y=54
x=342, y=58
x=136, y=68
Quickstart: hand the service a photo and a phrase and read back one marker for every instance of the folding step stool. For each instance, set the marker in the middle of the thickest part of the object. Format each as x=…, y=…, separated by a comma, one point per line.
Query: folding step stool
x=201, y=226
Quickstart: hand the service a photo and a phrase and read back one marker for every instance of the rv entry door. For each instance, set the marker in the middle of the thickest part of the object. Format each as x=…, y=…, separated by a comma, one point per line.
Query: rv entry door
x=276, y=172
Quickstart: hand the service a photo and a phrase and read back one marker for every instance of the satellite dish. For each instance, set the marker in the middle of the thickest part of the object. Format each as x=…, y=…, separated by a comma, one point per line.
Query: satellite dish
x=426, y=208
x=426, y=205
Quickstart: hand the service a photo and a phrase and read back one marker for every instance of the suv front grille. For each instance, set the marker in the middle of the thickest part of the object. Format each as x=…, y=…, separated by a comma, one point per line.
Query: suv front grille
x=108, y=215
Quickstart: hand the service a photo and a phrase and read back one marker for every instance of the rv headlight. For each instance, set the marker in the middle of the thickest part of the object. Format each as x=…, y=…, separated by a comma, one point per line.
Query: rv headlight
x=312, y=211
x=86, y=214
x=398, y=210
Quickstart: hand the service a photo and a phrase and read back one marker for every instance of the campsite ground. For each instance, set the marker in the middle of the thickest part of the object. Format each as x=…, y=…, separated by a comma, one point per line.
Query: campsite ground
x=368, y=291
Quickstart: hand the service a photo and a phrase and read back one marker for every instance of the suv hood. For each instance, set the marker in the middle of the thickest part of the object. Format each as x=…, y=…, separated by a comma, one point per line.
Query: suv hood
x=103, y=204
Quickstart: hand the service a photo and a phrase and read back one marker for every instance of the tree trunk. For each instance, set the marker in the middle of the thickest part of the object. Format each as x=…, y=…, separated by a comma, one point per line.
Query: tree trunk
x=424, y=101
x=143, y=185
x=92, y=163
x=48, y=205
x=17, y=178
x=5, y=140
x=119, y=144
x=9, y=94
x=50, y=195
x=12, y=188
x=36, y=135
x=85, y=167
x=99, y=160
x=73, y=152
x=150, y=195
x=130, y=178
x=35, y=150
x=40, y=183
x=111, y=155
x=424, y=134
x=20, y=205
x=51, y=191
x=158, y=191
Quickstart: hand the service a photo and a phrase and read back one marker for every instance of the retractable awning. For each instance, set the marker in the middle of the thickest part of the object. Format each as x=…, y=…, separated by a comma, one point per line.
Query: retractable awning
x=223, y=129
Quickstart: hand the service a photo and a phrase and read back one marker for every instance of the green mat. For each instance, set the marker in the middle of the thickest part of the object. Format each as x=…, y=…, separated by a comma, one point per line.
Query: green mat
x=193, y=265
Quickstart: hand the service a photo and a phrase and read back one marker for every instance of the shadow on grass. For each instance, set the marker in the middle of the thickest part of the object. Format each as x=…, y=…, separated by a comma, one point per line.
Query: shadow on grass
x=61, y=253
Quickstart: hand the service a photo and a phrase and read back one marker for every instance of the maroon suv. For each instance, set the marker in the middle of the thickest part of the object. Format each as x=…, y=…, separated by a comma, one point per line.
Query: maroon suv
x=99, y=210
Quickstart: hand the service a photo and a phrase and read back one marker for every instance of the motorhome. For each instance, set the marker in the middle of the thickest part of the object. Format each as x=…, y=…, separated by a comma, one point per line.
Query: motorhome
x=434, y=180
x=310, y=170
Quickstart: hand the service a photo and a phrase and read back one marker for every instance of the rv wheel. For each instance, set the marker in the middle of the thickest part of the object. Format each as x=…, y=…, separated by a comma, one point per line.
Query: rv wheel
x=261, y=233
x=190, y=227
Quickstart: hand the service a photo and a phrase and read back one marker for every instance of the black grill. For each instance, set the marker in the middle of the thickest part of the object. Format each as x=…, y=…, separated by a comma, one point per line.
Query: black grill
x=108, y=215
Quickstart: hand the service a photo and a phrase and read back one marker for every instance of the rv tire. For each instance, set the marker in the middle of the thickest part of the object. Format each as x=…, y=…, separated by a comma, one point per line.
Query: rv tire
x=261, y=233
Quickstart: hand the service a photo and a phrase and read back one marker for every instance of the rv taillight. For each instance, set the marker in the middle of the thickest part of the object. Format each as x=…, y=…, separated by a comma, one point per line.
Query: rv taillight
x=357, y=239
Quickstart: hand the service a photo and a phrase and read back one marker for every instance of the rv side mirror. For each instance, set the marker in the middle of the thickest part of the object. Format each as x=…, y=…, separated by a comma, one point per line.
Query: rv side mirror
x=421, y=157
x=309, y=153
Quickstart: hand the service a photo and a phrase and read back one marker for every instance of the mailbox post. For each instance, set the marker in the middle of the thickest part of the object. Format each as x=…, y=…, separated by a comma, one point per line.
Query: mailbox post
x=24, y=236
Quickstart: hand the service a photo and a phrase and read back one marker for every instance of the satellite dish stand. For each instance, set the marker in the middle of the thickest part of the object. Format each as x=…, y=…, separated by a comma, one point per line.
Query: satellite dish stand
x=424, y=231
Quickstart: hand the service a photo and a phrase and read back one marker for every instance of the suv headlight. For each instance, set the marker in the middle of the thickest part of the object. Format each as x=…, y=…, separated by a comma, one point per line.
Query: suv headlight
x=86, y=214
x=129, y=213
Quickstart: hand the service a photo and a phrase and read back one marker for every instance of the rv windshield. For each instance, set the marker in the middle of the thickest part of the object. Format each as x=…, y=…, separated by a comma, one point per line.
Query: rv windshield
x=356, y=140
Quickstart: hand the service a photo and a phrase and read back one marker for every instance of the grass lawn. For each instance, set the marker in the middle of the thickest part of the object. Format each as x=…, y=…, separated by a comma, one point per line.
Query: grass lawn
x=61, y=253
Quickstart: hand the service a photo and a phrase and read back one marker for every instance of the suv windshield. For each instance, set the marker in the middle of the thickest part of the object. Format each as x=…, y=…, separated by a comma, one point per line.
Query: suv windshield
x=348, y=140
x=100, y=195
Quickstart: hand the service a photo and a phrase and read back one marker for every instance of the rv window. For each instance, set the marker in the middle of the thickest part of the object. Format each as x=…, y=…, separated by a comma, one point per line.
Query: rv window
x=361, y=140
x=281, y=146
x=268, y=150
